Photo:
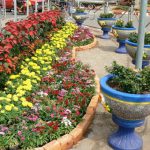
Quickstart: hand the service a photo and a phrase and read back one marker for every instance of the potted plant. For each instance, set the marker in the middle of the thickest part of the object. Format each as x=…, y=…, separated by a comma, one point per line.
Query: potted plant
x=79, y=16
x=132, y=44
x=122, y=31
x=106, y=20
x=127, y=94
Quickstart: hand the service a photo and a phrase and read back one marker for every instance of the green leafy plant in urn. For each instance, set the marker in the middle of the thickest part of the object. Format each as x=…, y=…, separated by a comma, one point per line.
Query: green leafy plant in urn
x=80, y=16
x=106, y=20
x=122, y=32
x=132, y=46
x=127, y=93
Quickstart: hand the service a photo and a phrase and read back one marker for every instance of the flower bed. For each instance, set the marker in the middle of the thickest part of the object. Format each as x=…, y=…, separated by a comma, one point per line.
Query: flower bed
x=47, y=98
x=82, y=37
x=17, y=40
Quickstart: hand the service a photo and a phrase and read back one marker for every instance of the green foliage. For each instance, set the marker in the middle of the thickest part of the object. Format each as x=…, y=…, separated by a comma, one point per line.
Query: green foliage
x=133, y=37
x=128, y=80
x=79, y=10
x=106, y=15
x=129, y=24
x=120, y=23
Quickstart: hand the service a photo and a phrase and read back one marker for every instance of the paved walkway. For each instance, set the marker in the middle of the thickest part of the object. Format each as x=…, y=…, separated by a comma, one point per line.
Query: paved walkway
x=102, y=126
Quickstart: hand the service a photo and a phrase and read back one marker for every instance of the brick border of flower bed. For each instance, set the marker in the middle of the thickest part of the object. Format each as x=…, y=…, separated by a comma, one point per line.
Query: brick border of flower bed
x=68, y=140
x=89, y=46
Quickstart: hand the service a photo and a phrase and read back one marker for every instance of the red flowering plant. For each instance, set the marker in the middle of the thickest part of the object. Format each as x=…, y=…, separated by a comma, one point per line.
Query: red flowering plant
x=82, y=37
x=58, y=105
x=16, y=39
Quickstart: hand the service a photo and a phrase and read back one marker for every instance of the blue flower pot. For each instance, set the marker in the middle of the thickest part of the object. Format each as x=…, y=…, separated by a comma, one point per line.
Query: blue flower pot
x=122, y=34
x=132, y=49
x=79, y=18
x=106, y=24
x=128, y=112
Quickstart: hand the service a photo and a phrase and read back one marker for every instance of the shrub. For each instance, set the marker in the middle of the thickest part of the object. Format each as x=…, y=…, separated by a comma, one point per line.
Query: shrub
x=120, y=23
x=133, y=37
x=79, y=10
x=128, y=80
x=106, y=15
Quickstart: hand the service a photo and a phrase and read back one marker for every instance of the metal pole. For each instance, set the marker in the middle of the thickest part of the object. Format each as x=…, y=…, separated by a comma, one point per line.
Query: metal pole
x=42, y=5
x=35, y=5
x=0, y=18
x=105, y=7
x=141, y=34
x=15, y=10
x=4, y=8
x=78, y=3
x=48, y=3
x=27, y=4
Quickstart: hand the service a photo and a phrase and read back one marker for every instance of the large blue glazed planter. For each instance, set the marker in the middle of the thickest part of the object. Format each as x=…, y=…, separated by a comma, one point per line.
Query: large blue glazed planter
x=132, y=49
x=122, y=34
x=79, y=18
x=106, y=24
x=128, y=112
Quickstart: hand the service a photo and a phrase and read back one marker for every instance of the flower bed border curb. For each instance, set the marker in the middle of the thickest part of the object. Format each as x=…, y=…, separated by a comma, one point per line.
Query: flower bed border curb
x=68, y=140
x=89, y=46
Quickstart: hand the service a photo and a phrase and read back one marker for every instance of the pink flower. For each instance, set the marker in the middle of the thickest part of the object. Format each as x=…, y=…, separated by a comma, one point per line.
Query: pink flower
x=33, y=118
x=22, y=138
x=19, y=133
x=52, y=115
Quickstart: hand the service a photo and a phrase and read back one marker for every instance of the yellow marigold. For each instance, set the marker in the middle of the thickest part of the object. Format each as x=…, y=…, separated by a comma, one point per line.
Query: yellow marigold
x=30, y=104
x=2, y=98
x=24, y=103
x=8, y=107
x=8, y=99
x=0, y=106
x=9, y=96
x=23, y=99
x=15, y=98
x=16, y=108
x=2, y=111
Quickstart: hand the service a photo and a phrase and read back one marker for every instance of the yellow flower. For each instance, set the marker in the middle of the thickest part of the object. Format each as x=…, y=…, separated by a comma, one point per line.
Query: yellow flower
x=8, y=99
x=30, y=104
x=15, y=98
x=2, y=111
x=24, y=103
x=2, y=98
x=9, y=96
x=0, y=106
x=14, y=76
x=8, y=107
x=16, y=108
x=45, y=69
x=23, y=99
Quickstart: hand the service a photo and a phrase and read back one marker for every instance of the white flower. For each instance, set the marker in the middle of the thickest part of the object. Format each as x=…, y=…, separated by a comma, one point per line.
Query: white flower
x=66, y=121
x=42, y=94
x=67, y=111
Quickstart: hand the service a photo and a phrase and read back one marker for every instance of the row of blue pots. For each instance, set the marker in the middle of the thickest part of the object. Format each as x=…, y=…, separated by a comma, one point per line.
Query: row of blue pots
x=128, y=110
x=122, y=34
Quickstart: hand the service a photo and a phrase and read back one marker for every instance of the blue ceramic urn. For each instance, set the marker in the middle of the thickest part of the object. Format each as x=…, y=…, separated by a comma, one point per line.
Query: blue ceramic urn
x=122, y=34
x=128, y=112
x=106, y=24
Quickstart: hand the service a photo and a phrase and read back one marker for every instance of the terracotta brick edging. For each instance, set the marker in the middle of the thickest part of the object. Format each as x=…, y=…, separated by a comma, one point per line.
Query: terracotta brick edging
x=89, y=46
x=68, y=140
